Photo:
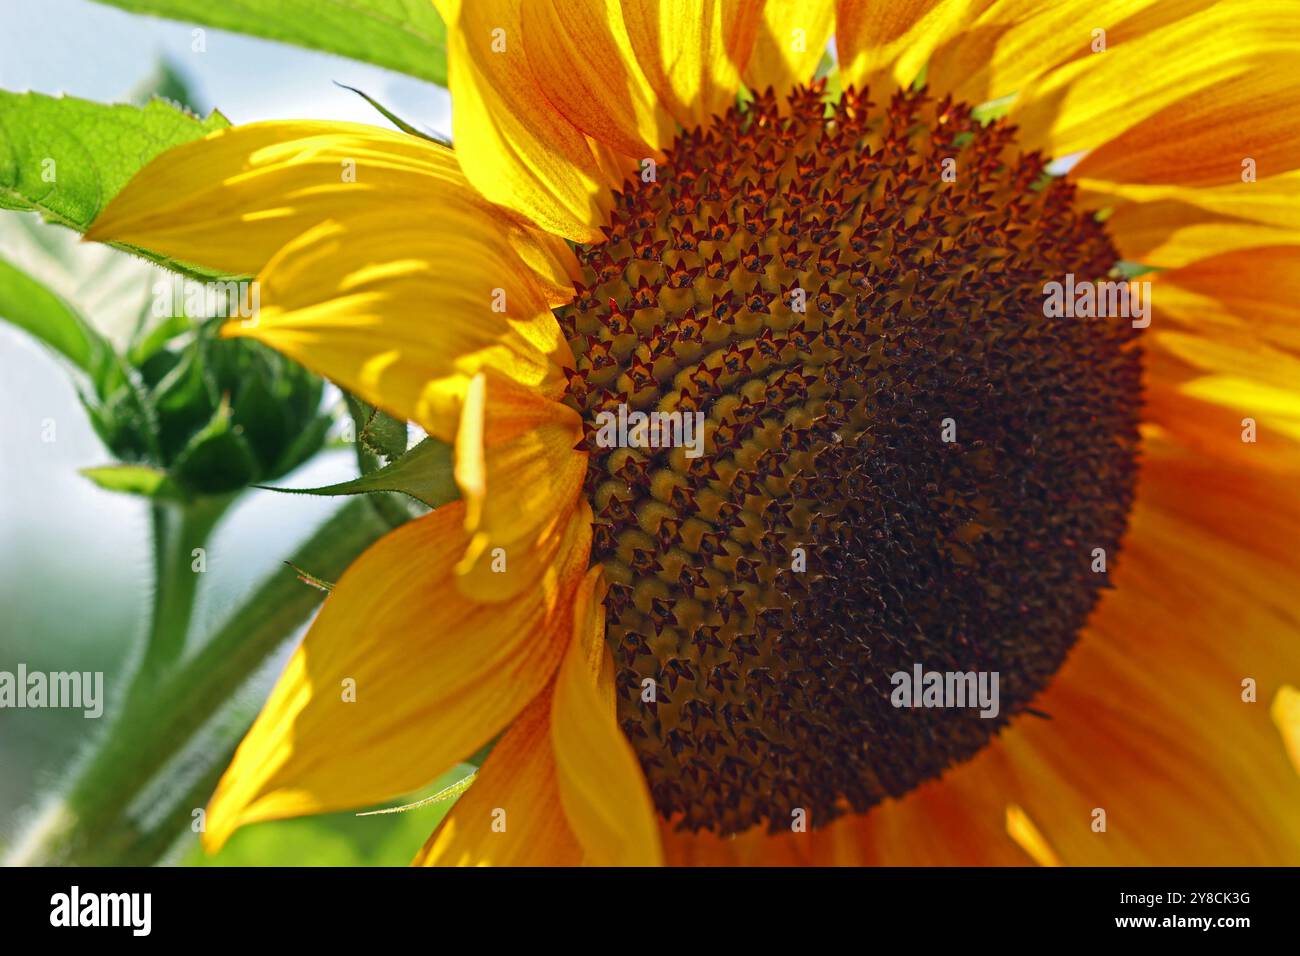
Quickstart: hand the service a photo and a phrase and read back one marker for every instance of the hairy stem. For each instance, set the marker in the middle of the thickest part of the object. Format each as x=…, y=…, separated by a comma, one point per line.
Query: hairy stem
x=153, y=726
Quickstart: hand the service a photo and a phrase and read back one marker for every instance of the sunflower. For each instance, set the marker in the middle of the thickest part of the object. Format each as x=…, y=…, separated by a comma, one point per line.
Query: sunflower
x=687, y=655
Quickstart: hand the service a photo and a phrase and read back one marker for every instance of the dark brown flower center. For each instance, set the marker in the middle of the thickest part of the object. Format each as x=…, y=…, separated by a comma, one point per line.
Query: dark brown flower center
x=904, y=462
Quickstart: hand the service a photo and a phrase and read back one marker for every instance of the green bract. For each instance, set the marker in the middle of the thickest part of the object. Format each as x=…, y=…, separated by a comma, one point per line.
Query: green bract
x=213, y=415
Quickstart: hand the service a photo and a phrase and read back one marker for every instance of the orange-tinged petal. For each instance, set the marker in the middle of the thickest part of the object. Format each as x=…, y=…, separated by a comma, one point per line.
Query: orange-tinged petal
x=1202, y=139
x=406, y=314
x=1253, y=291
x=1286, y=714
x=432, y=678
x=514, y=146
x=582, y=59
x=1157, y=732
x=693, y=51
x=790, y=44
x=1029, y=838
x=1208, y=66
x=955, y=821
x=230, y=201
x=958, y=820
x=511, y=815
x=1010, y=43
x=600, y=781
x=1170, y=226
x=1195, y=411
x=1196, y=775
x=1269, y=409
x=1239, y=356
x=892, y=41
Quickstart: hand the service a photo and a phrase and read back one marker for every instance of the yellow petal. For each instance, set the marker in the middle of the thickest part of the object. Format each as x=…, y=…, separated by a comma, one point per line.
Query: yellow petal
x=1228, y=324
x=433, y=677
x=1207, y=67
x=1286, y=714
x=1204, y=415
x=553, y=263
x=405, y=314
x=1251, y=290
x=790, y=44
x=1240, y=356
x=1274, y=411
x=582, y=59
x=600, y=781
x=693, y=51
x=1203, y=138
x=230, y=201
x=892, y=41
x=511, y=815
x=516, y=465
x=514, y=146
x=1171, y=226
x=1010, y=43
x=1027, y=836
x=489, y=572
x=562, y=786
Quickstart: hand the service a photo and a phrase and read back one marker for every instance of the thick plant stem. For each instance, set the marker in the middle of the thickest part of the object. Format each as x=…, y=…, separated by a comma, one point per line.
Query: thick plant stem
x=89, y=816
x=180, y=533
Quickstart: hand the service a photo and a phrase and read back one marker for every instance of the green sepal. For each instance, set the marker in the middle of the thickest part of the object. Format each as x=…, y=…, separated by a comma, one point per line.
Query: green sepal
x=425, y=473
x=183, y=397
x=379, y=434
x=217, y=458
x=142, y=480
x=148, y=341
x=309, y=441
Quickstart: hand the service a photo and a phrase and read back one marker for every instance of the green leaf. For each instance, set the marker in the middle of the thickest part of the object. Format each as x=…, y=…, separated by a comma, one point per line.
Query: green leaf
x=403, y=35
x=134, y=480
x=36, y=310
x=66, y=157
x=1126, y=269
x=424, y=473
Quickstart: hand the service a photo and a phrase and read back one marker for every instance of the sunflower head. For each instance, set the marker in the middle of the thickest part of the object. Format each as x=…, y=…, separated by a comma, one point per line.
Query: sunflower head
x=903, y=459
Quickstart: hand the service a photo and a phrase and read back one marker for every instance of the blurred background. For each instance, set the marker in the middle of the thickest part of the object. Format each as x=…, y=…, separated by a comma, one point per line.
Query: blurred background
x=75, y=560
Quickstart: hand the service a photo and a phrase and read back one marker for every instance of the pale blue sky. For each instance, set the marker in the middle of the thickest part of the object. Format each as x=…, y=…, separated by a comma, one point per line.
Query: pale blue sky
x=98, y=52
